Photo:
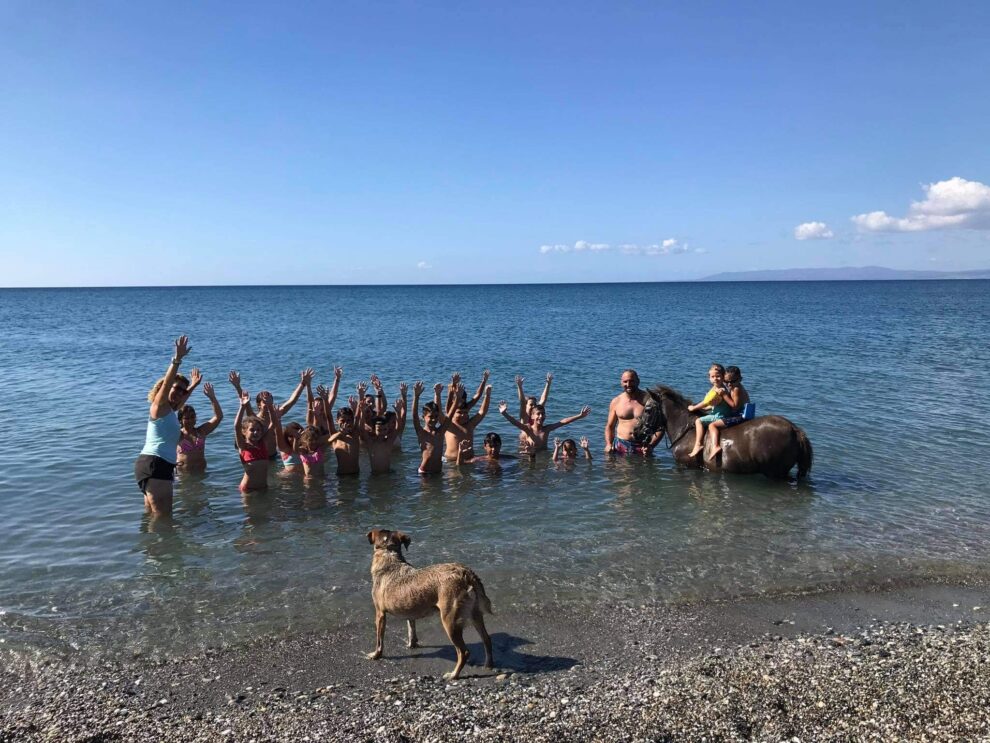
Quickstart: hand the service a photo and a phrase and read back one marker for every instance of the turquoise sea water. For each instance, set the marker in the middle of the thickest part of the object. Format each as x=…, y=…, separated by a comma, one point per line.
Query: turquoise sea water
x=885, y=378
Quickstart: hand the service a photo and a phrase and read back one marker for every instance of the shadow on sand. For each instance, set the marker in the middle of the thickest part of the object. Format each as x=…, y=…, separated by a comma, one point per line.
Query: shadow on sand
x=507, y=656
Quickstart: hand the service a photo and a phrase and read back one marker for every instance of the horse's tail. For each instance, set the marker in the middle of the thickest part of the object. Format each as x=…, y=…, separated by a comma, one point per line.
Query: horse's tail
x=805, y=453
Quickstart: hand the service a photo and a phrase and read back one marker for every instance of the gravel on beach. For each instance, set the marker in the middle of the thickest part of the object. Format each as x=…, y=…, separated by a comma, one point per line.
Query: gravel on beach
x=880, y=681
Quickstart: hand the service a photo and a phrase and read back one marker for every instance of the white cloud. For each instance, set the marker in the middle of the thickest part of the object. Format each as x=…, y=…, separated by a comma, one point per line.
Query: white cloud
x=423, y=265
x=670, y=246
x=812, y=231
x=948, y=205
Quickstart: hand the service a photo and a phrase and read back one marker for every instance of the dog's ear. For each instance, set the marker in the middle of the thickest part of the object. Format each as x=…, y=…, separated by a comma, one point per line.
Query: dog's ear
x=373, y=535
x=404, y=539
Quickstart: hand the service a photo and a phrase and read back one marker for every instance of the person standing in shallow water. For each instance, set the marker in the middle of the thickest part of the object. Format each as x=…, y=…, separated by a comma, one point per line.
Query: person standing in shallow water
x=191, y=454
x=154, y=468
x=623, y=413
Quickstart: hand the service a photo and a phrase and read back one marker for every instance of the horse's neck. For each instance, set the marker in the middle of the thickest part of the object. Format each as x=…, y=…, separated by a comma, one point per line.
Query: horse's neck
x=679, y=426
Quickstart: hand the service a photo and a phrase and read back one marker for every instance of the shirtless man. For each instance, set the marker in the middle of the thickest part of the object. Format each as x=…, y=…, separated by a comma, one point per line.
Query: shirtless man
x=431, y=432
x=623, y=412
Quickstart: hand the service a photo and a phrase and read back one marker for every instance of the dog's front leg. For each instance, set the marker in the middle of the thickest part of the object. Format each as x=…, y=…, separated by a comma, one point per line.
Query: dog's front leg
x=380, y=635
x=413, y=640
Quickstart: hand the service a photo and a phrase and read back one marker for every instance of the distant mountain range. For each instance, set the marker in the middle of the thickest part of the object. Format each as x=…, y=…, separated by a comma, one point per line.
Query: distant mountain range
x=849, y=273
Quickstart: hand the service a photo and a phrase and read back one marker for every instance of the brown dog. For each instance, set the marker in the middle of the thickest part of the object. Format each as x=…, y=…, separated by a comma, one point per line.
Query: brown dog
x=400, y=589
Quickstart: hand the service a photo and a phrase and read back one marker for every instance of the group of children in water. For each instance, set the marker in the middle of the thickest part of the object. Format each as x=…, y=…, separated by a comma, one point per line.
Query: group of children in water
x=445, y=432
x=444, y=429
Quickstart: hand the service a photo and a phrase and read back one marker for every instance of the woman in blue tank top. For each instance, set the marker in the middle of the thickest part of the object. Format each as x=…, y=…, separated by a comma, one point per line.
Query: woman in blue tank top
x=154, y=469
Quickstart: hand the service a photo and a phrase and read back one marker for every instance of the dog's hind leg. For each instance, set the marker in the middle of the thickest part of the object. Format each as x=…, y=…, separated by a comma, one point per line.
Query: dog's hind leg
x=456, y=634
x=413, y=640
x=380, y=635
x=478, y=620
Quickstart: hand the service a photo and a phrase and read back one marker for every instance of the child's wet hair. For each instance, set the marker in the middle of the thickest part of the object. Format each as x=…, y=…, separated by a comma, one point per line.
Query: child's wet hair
x=187, y=410
x=291, y=431
x=309, y=439
x=540, y=408
x=492, y=440
x=569, y=444
x=734, y=372
x=717, y=367
x=431, y=408
x=250, y=420
x=345, y=413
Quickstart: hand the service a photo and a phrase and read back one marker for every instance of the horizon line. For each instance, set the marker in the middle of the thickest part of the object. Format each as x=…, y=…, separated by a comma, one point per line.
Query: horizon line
x=520, y=283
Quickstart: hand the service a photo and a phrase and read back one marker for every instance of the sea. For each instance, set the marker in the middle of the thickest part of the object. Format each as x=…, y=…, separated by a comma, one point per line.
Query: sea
x=885, y=378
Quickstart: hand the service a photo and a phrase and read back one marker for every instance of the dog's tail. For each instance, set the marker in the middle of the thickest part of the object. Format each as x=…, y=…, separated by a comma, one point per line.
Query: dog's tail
x=477, y=585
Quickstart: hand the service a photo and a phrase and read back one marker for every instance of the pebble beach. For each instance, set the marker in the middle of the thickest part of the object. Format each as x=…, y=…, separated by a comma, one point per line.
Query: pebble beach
x=911, y=663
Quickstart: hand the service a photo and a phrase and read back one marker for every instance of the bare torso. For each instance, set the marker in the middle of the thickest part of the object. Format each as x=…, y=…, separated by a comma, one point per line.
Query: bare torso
x=347, y=448
x=627, y=409
x=380, y=454
x=431, y=443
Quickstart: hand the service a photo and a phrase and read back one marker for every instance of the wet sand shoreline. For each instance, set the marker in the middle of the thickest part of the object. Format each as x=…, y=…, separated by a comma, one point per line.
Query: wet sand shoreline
x=885, y=663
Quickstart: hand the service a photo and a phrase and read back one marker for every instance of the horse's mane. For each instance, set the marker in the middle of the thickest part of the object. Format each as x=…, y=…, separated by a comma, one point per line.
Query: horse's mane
x=670, y=392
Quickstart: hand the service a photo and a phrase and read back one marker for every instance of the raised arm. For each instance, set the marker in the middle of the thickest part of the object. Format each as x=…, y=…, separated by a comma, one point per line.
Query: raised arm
x=417, y=391
x=275, y=420
x=556, y=449
x=235, y=379
x=239, y=419
x=310, y=400
x=194, y=379
x=567, y=421
x=483, y=410
x=452, y=389
x=210, y=426
x=481, y=388
x=305, y=376
x=444, y=418
x=362, y=423
x=503, y=408
x=585, y=448
x=381, y=401
x=401, y=408
x=338, y=372
x=522, y=396
x=321, y=419
x=159, y=405
x=546, y=389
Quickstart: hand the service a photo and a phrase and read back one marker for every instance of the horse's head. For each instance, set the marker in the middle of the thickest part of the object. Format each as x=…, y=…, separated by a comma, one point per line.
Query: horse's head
x=673, y=410
x=662, y=393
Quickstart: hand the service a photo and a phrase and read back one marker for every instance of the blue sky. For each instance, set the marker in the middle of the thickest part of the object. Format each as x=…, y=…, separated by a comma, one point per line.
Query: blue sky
x=232, y=143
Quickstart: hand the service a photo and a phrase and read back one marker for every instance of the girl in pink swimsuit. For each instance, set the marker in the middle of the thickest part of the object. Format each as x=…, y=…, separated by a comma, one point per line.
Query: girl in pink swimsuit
x=311, y=448
x=249, y=438
x=190, y=454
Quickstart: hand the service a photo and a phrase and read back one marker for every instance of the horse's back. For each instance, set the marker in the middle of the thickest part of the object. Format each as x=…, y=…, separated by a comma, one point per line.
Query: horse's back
x=770, y=444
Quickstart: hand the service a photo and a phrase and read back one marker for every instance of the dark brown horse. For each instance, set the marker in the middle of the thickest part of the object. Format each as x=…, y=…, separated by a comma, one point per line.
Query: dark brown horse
x=769, y=444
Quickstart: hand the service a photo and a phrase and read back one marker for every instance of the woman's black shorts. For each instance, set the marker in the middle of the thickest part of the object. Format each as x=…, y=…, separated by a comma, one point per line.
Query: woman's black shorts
x=149, y=467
